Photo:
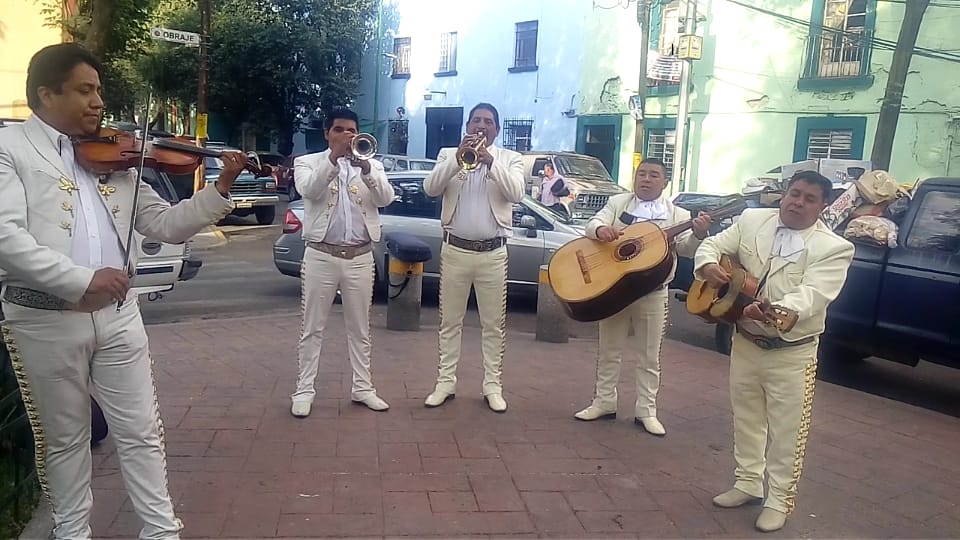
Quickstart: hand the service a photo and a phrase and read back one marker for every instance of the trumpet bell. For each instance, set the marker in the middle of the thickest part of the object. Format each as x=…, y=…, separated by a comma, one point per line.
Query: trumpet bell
x=469, y=157
x=363, y=146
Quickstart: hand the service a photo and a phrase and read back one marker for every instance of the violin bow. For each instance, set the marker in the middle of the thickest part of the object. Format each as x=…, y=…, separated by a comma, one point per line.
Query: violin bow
x=136, y=196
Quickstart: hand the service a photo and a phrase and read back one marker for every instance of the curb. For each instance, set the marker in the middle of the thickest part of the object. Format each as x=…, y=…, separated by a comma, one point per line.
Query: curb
x=40, y=525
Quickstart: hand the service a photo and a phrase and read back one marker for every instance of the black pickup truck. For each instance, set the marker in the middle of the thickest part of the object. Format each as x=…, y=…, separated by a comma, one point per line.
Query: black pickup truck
x=900, y=304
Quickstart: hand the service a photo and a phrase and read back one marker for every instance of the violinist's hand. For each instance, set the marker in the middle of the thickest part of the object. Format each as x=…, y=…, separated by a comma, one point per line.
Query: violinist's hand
x=701, y=225
x=233, y=164
x=715, y=275
x=109, y=283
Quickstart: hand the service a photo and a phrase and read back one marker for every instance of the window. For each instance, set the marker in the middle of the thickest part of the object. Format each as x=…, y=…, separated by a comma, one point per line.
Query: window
x=401, y=62
x=410, y=200
x=521, y=210
x=517, y=134
x=667, y=23
x=829, y=137
x=525, y=51
x=937, y=225
x=539, y=164
x=448, y=53
x=661, y=145
x=840, y=38
x=397, y=137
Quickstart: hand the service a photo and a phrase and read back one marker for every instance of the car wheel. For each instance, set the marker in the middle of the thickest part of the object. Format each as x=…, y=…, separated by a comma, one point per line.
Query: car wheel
x=98, y=423
x=266, y=214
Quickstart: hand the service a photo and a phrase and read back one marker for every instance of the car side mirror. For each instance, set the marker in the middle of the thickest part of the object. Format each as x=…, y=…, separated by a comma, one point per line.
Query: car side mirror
x=530, y=224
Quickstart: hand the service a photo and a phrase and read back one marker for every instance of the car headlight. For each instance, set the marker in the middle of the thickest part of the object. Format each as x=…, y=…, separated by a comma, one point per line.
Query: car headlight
x=270, y=185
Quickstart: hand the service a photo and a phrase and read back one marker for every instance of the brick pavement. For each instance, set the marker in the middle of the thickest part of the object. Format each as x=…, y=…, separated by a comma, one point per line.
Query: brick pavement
x=241, y=466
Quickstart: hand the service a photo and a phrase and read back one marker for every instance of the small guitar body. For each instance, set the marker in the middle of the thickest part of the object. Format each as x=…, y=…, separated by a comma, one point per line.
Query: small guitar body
x=594, y=280
x=725, y=304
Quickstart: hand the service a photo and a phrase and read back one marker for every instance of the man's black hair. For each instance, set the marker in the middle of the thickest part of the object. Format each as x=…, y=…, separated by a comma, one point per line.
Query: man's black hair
x=816, y=179
x=488, y=107
x=51, y=67
x=656, y=161
x=342, y=114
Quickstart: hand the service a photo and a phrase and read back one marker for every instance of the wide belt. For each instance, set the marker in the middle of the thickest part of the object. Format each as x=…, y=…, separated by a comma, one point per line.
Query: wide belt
x=341, y=252
x=30, y=298
x=769, y=343
x=489, y=244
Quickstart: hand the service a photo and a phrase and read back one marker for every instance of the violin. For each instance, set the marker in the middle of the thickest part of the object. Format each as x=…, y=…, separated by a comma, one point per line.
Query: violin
x=112, y=150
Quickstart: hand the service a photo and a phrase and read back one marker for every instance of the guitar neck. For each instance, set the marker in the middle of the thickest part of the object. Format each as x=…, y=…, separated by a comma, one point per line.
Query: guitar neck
x=732, y=208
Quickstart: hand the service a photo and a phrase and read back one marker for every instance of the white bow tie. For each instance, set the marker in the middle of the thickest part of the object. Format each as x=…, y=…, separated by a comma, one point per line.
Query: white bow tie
x=650, y=210
x=788, y=244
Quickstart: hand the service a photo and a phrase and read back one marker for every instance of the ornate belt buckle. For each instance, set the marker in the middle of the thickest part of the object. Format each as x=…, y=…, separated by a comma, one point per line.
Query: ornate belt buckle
x=761, y=343
x=478, y=245
x=343, y=253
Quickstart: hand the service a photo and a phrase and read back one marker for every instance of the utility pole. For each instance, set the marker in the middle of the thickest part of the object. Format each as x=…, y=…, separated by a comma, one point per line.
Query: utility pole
x=689, y=50
x=643, y=19
x=376, y=80
x=203, y=77
x=897, y=80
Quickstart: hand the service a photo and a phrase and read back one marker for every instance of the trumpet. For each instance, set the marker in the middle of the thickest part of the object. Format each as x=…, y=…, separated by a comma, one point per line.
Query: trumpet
x=469, y=157
x=363, y=146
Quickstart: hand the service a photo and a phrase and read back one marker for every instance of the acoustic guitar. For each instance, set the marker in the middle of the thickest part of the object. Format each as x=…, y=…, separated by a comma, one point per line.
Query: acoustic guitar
x=594, y=280
x=725, y=304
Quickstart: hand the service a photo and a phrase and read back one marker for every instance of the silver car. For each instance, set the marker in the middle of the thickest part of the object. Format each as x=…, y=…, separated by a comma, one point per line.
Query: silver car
x=537, y=233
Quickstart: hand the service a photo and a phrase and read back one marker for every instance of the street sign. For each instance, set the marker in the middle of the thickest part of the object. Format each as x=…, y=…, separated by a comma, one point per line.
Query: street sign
x=690, y=47
x=190, y=39
x=633, y=106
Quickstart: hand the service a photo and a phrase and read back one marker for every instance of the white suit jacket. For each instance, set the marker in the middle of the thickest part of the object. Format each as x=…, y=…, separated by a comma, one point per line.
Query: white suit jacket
x=317, y=181
x=37, y=217
x=506, y=176
x=609, y=216
x=807, y=286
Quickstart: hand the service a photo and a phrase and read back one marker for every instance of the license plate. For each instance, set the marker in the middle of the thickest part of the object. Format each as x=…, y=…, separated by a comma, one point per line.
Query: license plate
x=244, y=204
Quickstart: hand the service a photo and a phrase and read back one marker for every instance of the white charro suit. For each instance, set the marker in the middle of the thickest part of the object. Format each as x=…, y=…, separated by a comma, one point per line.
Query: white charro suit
x=58, y=352
x=324, y=272
x=772, y=390
x=485, y=271
x=647, y=316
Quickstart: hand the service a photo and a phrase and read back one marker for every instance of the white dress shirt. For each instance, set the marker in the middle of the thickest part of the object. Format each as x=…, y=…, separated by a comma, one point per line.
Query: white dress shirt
x=96, y=242
x=473, y=218
x=346, y=226
x=788, y=243
x=654, y=210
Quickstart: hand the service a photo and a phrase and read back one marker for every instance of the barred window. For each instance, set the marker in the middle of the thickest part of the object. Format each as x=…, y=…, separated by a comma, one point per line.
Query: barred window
x=401, y=50
x=660, y=145
x=830, y=143
x=448, y=52
x=525, y=52
x=518, y=134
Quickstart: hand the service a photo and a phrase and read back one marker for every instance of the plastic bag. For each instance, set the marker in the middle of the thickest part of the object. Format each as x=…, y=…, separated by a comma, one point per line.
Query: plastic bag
x=876, y=230
x=877, y=187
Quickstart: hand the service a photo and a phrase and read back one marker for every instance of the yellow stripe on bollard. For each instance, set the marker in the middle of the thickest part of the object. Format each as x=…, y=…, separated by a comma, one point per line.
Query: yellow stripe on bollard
x=544, y=275
x=400, y=267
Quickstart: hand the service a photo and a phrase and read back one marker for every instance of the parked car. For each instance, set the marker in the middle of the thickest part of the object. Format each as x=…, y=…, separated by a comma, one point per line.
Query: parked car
x=251, y=195
x=396, y=162
x=537, y=233
x=589, y=182
x=903, y=303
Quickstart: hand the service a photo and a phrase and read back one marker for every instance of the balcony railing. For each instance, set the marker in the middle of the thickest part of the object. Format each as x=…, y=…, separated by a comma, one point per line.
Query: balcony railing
x=836, y=54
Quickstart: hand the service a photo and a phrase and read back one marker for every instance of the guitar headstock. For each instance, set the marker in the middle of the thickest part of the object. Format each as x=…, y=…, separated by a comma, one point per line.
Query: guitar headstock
x=781, y=318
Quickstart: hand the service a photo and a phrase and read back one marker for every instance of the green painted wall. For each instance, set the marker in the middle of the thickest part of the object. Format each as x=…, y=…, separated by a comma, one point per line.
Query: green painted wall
x=745, y=101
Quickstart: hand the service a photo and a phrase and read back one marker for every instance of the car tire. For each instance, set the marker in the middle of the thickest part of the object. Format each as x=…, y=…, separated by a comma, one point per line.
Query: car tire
x=265, y=214
x=98, y=423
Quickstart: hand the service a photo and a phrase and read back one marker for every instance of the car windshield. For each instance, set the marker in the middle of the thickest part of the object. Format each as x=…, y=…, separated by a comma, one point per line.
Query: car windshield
x=581, y=167
x=562, y=218
x=421, y=165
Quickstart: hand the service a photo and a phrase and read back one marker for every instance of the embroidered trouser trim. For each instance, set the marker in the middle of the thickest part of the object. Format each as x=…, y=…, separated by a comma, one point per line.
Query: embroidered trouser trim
x=322, y=274
x=648, y=317
x=63, y=352
x=772, y=398
x=486, y=272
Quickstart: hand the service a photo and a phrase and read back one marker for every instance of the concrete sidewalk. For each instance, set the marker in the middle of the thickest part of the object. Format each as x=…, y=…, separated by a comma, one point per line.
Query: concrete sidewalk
x=241, y=466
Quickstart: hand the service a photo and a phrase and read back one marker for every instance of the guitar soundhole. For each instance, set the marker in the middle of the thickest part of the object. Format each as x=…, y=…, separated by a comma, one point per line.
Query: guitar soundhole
x=628, y=250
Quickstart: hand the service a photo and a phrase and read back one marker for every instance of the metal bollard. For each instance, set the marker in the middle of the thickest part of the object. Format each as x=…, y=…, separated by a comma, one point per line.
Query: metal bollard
x=405, y=292
x=551, y=318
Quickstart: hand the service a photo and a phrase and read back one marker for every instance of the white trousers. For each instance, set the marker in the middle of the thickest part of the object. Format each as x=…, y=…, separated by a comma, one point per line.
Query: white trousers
x=771, y=392
x=486, y=272
x=648, y=317
x=63, y=354
x=321, y=275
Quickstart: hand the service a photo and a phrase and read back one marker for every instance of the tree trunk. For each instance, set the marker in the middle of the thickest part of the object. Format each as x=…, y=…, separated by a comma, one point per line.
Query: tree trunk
x=893, y=95
x=101, y=20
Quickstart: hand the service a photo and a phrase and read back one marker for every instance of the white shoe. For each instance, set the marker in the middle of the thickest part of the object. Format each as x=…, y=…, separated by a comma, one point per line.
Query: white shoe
x=595, y=413
x=373, y=402
x=496, y=402
x=300, y=409
x=651, y=425
x=770, y=520
x=732, y=498
x=437, y=398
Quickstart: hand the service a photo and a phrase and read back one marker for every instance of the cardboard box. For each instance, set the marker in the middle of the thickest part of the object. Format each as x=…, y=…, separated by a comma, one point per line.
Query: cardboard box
x=839, y=171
